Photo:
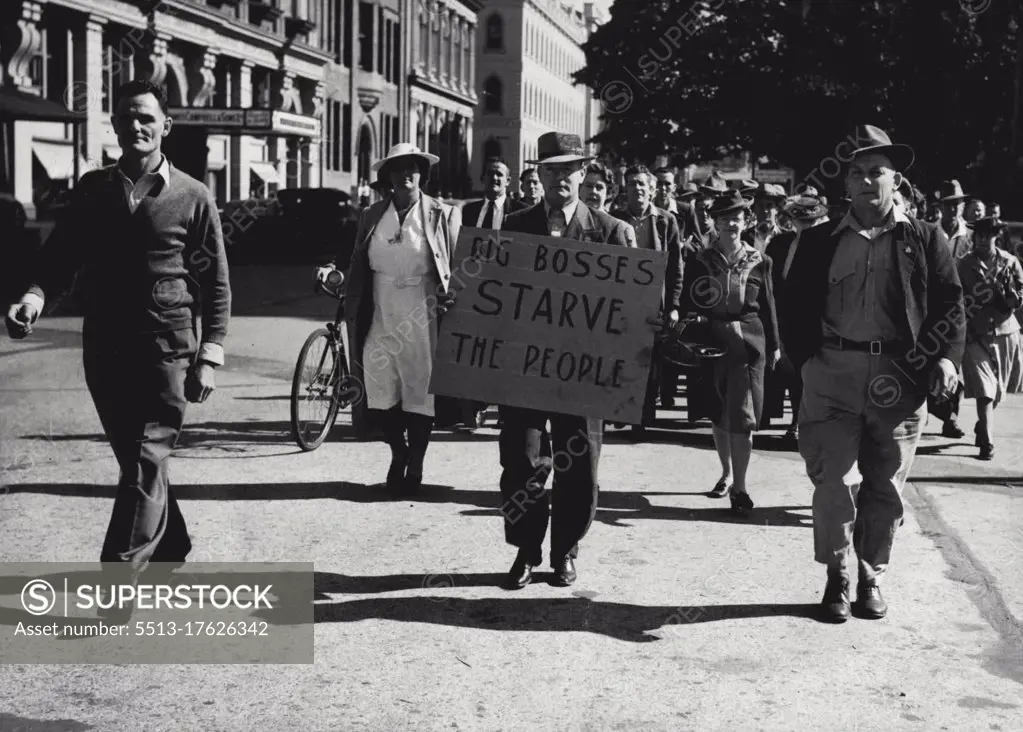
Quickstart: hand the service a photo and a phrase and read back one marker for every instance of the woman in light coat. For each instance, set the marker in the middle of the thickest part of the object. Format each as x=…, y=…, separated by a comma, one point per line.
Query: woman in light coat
x=399, y=275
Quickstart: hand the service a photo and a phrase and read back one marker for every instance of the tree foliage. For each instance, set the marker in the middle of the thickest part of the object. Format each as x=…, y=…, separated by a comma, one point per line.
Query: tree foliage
x=703, y=79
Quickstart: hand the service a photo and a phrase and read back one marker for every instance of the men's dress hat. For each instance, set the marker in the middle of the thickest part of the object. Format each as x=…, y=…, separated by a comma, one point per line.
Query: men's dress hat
x=950, y=192
x=688, y=191
x=772, y=191
x=805, y=189
x=987, y=226
x=875, y=140
x=728, y=202
x=745, y=187
x=404, y=150
x=714, y=185
x=559, y=147
x=805, y=208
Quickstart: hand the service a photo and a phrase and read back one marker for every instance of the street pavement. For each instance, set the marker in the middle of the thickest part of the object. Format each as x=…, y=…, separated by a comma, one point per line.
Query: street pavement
x=683, y=616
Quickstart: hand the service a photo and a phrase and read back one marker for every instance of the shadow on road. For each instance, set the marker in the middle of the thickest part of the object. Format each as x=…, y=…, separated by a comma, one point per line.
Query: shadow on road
x=615, y=507
x=622, y=621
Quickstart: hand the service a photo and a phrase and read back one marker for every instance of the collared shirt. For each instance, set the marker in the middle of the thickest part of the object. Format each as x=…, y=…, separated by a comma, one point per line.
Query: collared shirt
x=135, y=192
x=569, y=211
x=498, y=205
x=960, y=241
x=644, y=227
x=865, y=301
x=672, y=206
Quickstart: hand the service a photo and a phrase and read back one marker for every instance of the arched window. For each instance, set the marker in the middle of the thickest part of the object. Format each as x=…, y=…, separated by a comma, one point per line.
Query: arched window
x=493, y=95
x=495, y=33
x=491, y=148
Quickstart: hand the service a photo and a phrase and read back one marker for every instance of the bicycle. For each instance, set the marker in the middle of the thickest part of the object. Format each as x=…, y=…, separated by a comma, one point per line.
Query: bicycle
x=328, y=387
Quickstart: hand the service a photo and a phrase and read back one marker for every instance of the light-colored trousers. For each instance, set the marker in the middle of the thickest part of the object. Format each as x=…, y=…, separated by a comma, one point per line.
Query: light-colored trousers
x=859, y=425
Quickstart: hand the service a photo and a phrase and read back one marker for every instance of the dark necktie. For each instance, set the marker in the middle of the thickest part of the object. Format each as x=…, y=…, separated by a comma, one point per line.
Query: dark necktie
x=488, y=219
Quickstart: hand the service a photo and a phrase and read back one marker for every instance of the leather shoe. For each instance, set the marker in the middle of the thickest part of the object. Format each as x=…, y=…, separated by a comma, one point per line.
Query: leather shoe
x=835, y=606
x=952, y=430
x=564, y=572
x=869, y=603
x=521, y=573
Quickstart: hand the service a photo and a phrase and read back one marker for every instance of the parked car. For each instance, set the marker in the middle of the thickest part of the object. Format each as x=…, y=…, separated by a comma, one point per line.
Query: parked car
x=297, y=226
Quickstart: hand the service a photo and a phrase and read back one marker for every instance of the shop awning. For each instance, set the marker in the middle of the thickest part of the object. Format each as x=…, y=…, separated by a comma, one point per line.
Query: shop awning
x=266, y=171
x=18, y=106
x=57, y=159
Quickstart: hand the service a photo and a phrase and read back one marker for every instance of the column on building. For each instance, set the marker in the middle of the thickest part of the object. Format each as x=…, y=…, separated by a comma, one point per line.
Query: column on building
x=284, y=91
x=431, y=9
x=241, y=96
x=316, y=150
x=461, y=52
x=26, y=45
x=90, y=55
x=452, y=29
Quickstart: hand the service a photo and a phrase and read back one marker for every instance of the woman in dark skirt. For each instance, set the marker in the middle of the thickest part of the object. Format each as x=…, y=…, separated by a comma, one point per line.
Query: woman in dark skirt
x=730, y=284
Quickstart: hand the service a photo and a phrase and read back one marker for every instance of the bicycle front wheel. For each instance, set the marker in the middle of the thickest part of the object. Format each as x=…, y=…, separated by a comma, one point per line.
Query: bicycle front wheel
x=313, y=402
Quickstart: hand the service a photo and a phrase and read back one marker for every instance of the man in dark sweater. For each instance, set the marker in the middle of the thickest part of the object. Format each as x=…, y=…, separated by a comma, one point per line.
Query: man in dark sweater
x=145, y=240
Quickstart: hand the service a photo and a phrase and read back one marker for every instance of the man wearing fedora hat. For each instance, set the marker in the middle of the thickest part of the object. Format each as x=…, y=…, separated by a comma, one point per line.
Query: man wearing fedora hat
x=873, y=317
x=805, y=212
x=952, y=201
x=526, y=446
x=766, y=201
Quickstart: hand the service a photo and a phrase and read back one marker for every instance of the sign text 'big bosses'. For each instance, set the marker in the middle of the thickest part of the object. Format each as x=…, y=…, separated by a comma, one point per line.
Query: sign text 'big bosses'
x=549, y=323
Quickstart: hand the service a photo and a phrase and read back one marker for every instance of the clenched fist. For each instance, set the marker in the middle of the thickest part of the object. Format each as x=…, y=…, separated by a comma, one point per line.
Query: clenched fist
x=20, y=319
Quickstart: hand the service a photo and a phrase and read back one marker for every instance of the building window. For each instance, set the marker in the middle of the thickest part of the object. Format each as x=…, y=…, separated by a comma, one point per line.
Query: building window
x=491, y=148
x=366, y=12
x=495, y=33
x=216, y=181
x=381, y=35
x=118, y=68
x=395, y=53
x=333, y=154
x=346, y=138
x=222, y=86
x=345, y=32
x=493, y=93
x=262, y=88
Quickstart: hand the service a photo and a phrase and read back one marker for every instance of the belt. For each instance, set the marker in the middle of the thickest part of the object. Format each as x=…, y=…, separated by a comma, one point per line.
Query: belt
x=400, y=282
x=724, y=317
x=874, y=348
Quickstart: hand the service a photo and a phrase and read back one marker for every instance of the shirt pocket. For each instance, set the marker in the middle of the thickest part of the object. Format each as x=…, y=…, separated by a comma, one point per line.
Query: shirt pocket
x=845, y=285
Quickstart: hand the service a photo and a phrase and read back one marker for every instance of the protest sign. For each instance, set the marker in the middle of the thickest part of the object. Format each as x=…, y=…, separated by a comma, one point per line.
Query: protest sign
x=549, y=323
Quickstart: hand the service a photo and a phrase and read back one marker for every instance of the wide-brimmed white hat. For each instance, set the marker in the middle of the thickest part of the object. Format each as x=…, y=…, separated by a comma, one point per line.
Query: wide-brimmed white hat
x=404, y=150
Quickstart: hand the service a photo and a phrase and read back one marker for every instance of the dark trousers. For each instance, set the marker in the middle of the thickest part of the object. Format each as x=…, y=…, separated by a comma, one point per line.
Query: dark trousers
x=529, y=454
x=137, y=383
x=669, y=382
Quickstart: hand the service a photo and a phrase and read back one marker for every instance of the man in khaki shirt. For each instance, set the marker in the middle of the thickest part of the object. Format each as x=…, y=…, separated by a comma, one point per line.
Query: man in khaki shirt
x=873, y=317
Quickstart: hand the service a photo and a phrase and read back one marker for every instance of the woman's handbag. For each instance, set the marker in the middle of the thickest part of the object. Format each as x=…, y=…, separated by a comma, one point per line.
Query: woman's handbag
x=689, y=343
